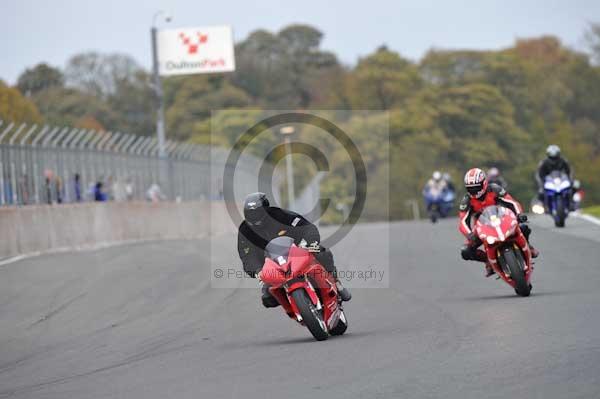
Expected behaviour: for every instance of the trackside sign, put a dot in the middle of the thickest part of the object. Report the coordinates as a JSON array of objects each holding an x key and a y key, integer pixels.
[{"x": 195, "y": 50}]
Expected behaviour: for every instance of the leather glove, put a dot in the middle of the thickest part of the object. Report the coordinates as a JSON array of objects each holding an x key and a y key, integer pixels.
[{"x": 314, "y": 247}]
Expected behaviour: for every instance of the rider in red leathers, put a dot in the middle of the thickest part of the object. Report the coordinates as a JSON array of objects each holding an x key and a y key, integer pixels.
[{"x": 480, "y": 195}]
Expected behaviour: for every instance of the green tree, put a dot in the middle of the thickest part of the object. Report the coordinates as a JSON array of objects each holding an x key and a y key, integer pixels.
[
  {"x": 383, "y": 80},
  {"x": 281, "y": 70},
  {"x": 121, "y": 84},
  {"x": 193, "y": 102},
  {"x": 100, "y": 74},
  {"x": 63, "y": 106},
  {"x": 450, "y": 68},
  {"x": 39, "y": 78},
  {"x": 134, "y": 104},
  {"x": 592, "y": 38}
]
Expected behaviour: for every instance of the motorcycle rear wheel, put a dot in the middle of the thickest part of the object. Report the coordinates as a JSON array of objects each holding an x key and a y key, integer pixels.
[{"x": 313, "y": 318}]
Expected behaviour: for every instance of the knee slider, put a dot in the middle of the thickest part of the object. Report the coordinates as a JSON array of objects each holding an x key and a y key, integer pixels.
[{"x": 466, "y": 253}]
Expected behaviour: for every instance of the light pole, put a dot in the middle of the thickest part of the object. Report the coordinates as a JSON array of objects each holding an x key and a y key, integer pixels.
[
  {"x": 160, "y": 116},
  {"x": 286, "y": 132}
]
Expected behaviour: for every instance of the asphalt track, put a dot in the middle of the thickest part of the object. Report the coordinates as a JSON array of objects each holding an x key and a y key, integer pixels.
[{"x": 142, "y": 321}]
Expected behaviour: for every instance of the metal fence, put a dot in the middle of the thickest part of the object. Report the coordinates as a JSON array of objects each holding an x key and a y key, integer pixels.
[{"x": 45, "y": 164}]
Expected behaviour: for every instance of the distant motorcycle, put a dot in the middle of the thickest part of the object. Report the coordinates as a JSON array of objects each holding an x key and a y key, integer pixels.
[
  {"x": 558, "y": 196},
  {"x": 305, "y": 290},
  {"x": 439, "y": 203},
  {"x": 448, "y": 201},
  {"x": 506, "y": 247}
]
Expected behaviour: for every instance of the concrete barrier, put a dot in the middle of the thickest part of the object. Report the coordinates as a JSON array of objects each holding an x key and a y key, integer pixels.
[{"x": 45, "y": 228}]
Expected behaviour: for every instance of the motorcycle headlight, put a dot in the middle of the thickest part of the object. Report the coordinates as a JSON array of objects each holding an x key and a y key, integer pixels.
[
  {"x": 491, "y": 240},
  {"x": 538, "y": 209}
]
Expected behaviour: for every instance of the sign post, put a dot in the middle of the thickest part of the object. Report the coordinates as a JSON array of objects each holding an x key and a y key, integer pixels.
[
  {"x": 195, "y": 50},
  {"x": 160, "y": 115},
  {"x": 186, "y": 51}
]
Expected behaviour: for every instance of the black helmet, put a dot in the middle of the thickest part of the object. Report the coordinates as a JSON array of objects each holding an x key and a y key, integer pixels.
[{"x": 255, "y": 208}]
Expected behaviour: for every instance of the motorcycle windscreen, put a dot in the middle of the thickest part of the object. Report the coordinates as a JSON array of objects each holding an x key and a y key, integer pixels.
[
  {"x": 278, "y": 249},
  {"x": 492, "y": 215},
  {"x": 557, "y": 181}
]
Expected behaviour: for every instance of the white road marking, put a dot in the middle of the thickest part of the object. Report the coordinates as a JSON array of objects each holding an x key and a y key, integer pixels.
[{"x": 589, "y": 218}]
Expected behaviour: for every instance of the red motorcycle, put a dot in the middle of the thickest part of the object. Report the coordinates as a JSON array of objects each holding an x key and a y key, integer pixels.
[
  {"x": 506, "y": 247},
  {"x": 305, "y": 290}
]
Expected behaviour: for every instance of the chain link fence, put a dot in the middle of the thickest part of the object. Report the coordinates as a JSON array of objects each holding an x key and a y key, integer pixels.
[{"x": 45, "y": 164}]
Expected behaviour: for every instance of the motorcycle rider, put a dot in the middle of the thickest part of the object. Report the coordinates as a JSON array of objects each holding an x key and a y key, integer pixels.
[
  {"x": 494, "y": 176},
  {"x": 553, "y": 162},
  {"x": 435, "y": 185},
  {"x": 262, "y": 224},
  {"x": 481, "y": 194},
  {"x": 448, "y": 179}
]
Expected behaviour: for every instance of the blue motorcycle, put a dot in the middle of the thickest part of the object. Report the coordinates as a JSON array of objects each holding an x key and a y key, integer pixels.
[
  {"x": 438, "y": 203},
  {"x": 557, "y": 196}
]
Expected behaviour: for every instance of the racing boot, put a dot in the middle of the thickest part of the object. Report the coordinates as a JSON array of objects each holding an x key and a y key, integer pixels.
[
  {"x": 534, "y": 252},
  {"x": 268, "y": 300},
  {"x": 345, "y": 295},
  {"x": 489, "y": 271},
  {"x": 527, "y": 232},
  {"x": 482, "y": 257}
]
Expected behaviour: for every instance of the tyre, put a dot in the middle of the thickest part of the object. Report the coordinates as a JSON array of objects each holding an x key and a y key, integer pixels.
[
  {"x": 341, "y": 326},
  {"x": 514, "y": 267},
  {"x": 433, "y": 217},
  {"x": 559, "y": 219},
  {"x": 313, "y": 318},
  {"x": 433, "y": 214}
]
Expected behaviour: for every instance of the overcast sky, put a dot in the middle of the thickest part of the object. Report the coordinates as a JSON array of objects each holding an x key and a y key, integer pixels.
[{"x": 52, "y": 31}]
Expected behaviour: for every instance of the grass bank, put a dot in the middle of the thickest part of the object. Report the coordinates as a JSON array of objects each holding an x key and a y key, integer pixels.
[{"x": 592, "y": 210}]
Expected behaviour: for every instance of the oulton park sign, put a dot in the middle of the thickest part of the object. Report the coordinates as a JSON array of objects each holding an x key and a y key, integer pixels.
[{"x": 195, "y": 50}]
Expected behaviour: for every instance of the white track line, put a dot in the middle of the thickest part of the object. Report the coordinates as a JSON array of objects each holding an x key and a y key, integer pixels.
[
  {"x": 589, "y": 218},
  {"x": 92, "y": 247}
]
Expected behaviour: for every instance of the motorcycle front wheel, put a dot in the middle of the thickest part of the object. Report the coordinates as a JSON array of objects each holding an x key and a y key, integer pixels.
[
  {"x": 559, "y": 219},
  {"x": 313, "y": 318},
  {"x": 433, "y": 214},
  {"x": 341, "y": 327},
  {"x": 517, "y": 274}
]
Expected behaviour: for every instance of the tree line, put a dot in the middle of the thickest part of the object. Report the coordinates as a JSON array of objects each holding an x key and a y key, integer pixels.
[{"x": 451, "y": 110}]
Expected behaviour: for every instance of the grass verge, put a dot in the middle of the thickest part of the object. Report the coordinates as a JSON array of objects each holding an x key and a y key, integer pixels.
[{"x": 592, "y": 210}]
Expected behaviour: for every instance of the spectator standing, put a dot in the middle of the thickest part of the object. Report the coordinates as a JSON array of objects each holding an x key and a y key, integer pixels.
[
  {"x": 154, "y": 193},
  {"x": 99, "y": 195},
  {"x": 77, "y": 187},
  {"x": 59, "y": 189},
  {"x": 129, "y": 190},
  {"x": 48, "y": 175}
]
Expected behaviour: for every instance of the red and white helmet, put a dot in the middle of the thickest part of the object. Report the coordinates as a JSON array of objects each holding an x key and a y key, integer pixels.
[{"x": 476, "y": 182}]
